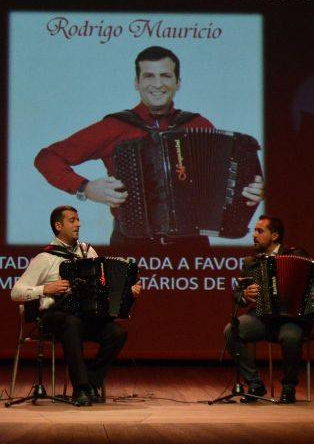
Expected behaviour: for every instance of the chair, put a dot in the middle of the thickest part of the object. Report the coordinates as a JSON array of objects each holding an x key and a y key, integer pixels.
[
  {"x": 307, "y": 344},
  {"x": 28, "y": 314}
]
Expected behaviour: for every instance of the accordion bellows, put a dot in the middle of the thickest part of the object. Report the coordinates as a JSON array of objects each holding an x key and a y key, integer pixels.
[
  {"x": 286, "y": 287},
  {"x": 186, "y": 182}
]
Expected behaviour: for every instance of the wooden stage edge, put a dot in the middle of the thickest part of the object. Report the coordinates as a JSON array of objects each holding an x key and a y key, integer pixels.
[{"x": 164, "y": 408}]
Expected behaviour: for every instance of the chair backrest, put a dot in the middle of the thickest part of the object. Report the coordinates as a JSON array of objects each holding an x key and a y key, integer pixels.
[{"x": 30, "y": 322}]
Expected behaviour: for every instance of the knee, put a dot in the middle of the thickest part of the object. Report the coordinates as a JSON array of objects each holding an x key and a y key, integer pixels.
[
  {"x": 290, "y": 339},
  {"x": 227, "y": 330},
  {"x": 119, "y": 333}
]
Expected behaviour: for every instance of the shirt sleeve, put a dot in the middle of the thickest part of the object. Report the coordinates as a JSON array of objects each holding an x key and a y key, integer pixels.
[
  {"x": 30, "y": 285},
  {"x": 55, "y": 161},
  {"x": 299, "y": 252}
]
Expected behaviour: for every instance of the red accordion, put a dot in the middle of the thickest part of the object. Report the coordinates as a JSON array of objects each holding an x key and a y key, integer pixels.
[{"x": 286, "y": 287}]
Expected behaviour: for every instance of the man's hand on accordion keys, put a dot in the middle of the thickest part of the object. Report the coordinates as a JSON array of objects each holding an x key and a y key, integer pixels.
[
  {"x": 251, "y": 292},
  {"x": 61, "y": 286},
  {"x": 136, "y": 289},
  {"x": 79, "y": 284},
  {"x": 254, "y": 192},
  {"x": 105, "y": 190}
]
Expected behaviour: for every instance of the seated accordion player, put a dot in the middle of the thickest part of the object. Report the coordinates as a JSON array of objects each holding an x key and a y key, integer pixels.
[
  {"x": 286, "y": 287},
  {"x": 100, "y": 287},
  {"x": 186, "y": 182}
]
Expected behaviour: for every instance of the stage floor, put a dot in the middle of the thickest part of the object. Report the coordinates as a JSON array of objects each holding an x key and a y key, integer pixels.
[{"x": 156, "y": 404}]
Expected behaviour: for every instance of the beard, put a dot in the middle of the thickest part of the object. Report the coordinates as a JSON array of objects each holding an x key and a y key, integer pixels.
[{"x": 259, "y": 248}]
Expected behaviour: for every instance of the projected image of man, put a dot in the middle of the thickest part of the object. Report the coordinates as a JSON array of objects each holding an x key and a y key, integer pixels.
[{"x": 157, "y": 81}]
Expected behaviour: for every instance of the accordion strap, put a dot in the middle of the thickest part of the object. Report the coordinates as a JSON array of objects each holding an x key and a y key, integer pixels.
[
  {"x": 182, "y": 117},
  {"x": 84, "y": 247},
  {"x": 58, "y": 250},
  {"x": 129, "y": 116}
]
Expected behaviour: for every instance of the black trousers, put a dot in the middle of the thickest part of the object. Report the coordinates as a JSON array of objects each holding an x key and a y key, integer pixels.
[
  {"x": 251, "y": 329},
  {"x": 72, "y": 331}
]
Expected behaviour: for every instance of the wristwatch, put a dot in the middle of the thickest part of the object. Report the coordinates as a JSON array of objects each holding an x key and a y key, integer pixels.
[{"x": 80, "y": 194}]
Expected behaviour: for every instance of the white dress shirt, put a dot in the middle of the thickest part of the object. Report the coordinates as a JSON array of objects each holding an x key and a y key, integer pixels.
[
  {"x": 275, "y": 250},
  {"x": 43, "y": 269}
]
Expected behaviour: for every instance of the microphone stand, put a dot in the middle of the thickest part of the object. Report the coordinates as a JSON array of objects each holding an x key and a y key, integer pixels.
[
  {"x": 238, "y": 389},
  {"x": 39, "y": 391}
]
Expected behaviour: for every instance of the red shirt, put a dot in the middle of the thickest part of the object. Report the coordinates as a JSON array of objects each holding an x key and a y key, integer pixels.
[{"x": 98, "y": 141}]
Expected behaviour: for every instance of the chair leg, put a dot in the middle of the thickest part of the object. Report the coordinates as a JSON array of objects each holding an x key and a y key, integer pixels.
[
  {"x": 271, "y": 376},
  {"x": 15, "y": 367},
  {"x": 53, "y": 368},
  {"x": 308, "y": 371},
  {"x": 65, "y": 383},
  {"x": 103, "y": 391}
]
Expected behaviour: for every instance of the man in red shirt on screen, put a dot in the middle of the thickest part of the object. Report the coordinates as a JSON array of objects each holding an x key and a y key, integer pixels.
[{"x": 157, "y": 81}]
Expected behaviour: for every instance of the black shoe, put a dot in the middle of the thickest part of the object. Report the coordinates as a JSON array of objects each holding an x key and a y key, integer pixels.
[
  {"x": 287, "y": 395},
  {"x": 259, "y": 390},
  {"x": 81, "y": 398},
  {"x": 94, "y": 394}
]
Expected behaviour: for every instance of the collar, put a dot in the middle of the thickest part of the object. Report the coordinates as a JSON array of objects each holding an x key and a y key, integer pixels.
[
  {"x": 164, "y": 119},
  {"x": 57, "y": 241},
  {"x": 275, "y": 250},
  {"x": 273, "y": 253}
]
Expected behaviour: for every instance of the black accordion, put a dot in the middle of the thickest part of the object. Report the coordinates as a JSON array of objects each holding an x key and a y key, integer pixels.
[
  {"x": 100, "y": 287},
  {"x": 186, "y": 182},
  {"x": 286, "y": 287}
]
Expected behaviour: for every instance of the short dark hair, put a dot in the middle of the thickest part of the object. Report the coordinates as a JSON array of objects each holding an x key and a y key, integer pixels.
[
  {"x": 154, "y": 53},
  {"x": 57, "y": 216},
  {"x": 275, "y": 225}
]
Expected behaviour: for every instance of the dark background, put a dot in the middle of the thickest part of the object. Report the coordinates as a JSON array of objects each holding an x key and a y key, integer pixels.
[{"x": 187, "y": 325}]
